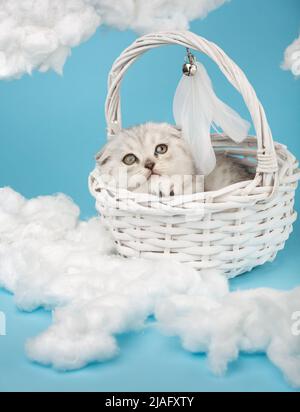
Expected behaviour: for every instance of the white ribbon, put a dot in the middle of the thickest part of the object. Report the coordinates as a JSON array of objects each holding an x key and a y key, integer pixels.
[{"x": 196, "y": 108}]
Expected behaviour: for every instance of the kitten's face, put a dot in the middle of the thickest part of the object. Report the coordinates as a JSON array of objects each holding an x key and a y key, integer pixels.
[{"x": 145, "y": 151}]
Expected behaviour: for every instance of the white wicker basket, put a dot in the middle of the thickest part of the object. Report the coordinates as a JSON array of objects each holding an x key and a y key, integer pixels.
[{"x": 233, "y": 229}]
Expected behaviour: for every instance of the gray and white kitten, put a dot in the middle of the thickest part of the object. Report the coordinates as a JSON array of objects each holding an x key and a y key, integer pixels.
[{"x": 154, "y": 158}]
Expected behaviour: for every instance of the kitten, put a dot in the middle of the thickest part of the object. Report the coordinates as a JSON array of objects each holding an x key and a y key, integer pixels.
[
  {"x": 154, "y": 158},
  {"x": 150, "y": 158},
  {"x": 226, "y": 173}
]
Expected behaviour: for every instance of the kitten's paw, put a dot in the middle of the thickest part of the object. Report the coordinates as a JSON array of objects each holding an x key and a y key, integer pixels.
[
  {"x": 165, "y": 186},
  {"x": 160, "y": 186}
]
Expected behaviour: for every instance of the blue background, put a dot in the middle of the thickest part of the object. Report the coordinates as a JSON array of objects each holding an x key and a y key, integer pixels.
[{"x": 50, "y": 129}]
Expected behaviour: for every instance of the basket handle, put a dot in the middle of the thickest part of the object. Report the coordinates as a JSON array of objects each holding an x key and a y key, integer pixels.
[{"x": 266, "y": 156}]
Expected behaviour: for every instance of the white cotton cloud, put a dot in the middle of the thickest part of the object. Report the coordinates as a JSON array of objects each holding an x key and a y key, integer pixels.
[
  {"x": 124, "y": 305},
  {"x": 147, "y": 16},
  {"x": 39, "y": 34},
  {"x": 258, "y": 320},
  {"x": 292, "y": 58},
  {"x": 49, "y": 258}
]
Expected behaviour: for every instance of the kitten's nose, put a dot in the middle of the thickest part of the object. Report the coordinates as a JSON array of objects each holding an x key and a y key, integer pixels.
[{"x": 149, "y": 164}]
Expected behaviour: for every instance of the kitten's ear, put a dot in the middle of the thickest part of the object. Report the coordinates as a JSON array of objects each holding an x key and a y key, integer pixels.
[
  {"x": 99, "y": 154},
  {"x": 102, "y": 158},
  {"x": 177, "y": 131}
]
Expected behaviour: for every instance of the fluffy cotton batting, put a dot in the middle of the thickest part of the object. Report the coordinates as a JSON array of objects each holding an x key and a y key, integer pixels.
[
  {"x": 147, "y": 16},
  {"x": 245, "y": 321},
  {"x": 39, "y": 34},
  {"x": 49, "y": 258},
  {"x": 292, "y": 58}
]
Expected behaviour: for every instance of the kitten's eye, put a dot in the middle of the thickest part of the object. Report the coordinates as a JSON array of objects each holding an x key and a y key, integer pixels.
[
  {"x": 161, "y": 149},
  {"x": 129, "y": 159}
]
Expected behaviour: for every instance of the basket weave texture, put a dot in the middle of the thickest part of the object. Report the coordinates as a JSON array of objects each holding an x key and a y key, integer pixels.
[{"x": 233, "y": 229}]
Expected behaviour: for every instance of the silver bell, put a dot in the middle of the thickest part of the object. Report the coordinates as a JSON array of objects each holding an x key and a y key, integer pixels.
[{"x": 189, "y": 69}]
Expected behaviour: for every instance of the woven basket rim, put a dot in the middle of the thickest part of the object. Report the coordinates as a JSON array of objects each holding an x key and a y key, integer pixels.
[{"x": 236, "y": 195}]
